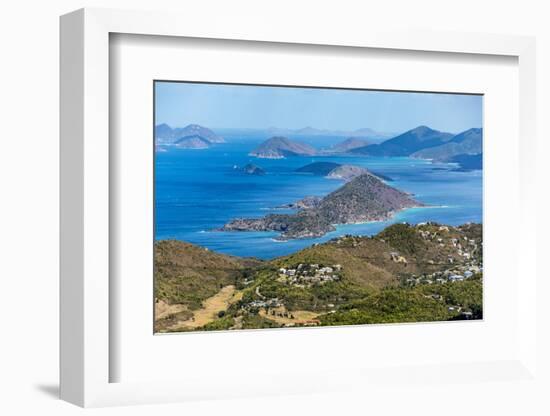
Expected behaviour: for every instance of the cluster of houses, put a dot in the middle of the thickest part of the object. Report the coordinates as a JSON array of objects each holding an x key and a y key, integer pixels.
[
  {"x": 458, "y": 274},
  {"x": 465, "y": 247},
  {"x": 310, "y": 274}
]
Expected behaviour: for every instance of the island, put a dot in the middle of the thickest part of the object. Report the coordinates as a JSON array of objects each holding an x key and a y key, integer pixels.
[
  {"x": 465, "y": 148},
  {"x": 347, "y": 172},
  {"x": 192, "y": 142},
  {"x": 319, "y": 168},
  {"x": 365, "y": 198},
  {"x": 405, "y": 144},
  {"x": 468, "y": 142},
  {"x": 405, "y": 273},
  {"x": 365, "y": 133},
  {"x": 167, "y": 135},
  {"x": 250, "y": 169},
  {"x": 332, "y": 170},
  {"x": 279, "y": 147},
  {"x": 345, "y": 146}
]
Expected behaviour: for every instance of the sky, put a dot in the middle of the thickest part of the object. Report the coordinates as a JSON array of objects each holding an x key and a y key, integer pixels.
[{"x": 241, "y": 106}]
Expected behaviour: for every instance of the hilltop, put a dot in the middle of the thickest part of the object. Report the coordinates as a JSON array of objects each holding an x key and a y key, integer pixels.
[
  {"x": 406, "y": 273},
  {"x": 365, "y": 198},
  {"x": 279, "y": 147}
]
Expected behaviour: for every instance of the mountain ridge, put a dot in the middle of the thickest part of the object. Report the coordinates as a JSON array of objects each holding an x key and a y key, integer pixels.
[
  {"x": 406, "y": 143},
  {"x": 166, "y": 134},
  {"x": 468, "y": 142}
]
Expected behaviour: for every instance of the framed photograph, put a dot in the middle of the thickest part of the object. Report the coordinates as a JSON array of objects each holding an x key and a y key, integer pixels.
[
  {"x": 321, "y": 212},
  {"x": 294, "y": 226}
]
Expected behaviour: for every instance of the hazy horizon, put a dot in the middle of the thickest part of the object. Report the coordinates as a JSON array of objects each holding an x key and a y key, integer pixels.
[{"x": 224, "y": 106}]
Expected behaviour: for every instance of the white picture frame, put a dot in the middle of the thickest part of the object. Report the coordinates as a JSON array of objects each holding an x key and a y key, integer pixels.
[{"x": 86, "y": 356}]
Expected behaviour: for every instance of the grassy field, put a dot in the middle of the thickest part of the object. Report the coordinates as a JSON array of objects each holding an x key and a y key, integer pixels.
[{"x": 209, "y": 311}]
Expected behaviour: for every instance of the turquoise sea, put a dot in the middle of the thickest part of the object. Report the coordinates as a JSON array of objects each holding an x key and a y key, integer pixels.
[{"x": 197, "y": 191}]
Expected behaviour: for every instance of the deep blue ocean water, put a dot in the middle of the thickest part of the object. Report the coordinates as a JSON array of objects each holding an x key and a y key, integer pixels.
[{"x": 197, "y": 191}]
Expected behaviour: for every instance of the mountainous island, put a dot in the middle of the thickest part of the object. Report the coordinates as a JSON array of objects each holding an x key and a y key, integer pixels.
[
  {"x": 308, "y": 202},
  {"x": 319, "y": 168},
  {"x": 364, "y": 198},
  {"x": 345, "y": 146},
  {"x": 407, "y": 143},
  {"x": 164, "y": 134},
  {"x": 423, "y": 142},
  {"x": 468, "y": 142},
  {"x": 405, "y": 273},
  {"x": 331, "y": 170},
  {"x": 279, "y": 147}
]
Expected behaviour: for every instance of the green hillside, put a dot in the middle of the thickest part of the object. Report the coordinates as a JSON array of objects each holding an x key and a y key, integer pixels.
[{"x": 406, "y": 273}]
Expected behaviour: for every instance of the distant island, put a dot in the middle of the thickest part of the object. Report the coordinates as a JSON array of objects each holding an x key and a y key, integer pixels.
[
  {"x": 319, "y": 168},
  {"x": 364, "y": 133},
  {"x": 192, "y": 142},
  {"x": 365, "y": 198},
  {"x": 164, "y": 134},
  {"x": 332, "y": 170},
  {"x": 423, "y": 142},
  {"x": 345, "y": 146},
  {"x": 468, "y": 142},
  {"x": 280, "y": 147},
  {"x": 405, "y": 273}
]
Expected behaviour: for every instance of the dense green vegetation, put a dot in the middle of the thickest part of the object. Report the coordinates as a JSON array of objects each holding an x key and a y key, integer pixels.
[
  {"x": 404, "y": 238},
  {"x": 406, "y": 304}
]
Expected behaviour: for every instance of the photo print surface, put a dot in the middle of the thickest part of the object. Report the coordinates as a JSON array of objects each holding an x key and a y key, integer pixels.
[{"x": 289, "y": 207}]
